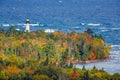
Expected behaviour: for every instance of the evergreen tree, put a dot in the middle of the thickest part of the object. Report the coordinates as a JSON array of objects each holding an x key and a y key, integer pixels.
[{"x": 83, "y": 67}]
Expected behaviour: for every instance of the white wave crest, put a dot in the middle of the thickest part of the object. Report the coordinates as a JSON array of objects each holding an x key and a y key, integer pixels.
[
  {"x": 115, "y": 45},
  {"x": 20, "y": 24},
  {"x": 115, "y": 28},
  {"x": 83, "y": 23},
  {"x": 34, "y": 24},
  {"x": 41, "y": 24},
  {"x": 92, "y": 24},
  {"x": 18, "y": 29},
  {"x": 104, "y": 30},
  {"x": 76, "y": 27},
  {"x": 5, "y": 25}
]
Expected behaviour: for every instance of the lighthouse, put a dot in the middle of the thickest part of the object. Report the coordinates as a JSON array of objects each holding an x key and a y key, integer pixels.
[{"x": 27, "y": 29}]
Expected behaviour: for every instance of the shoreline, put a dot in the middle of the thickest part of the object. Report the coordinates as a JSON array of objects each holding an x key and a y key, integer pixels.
[{"x": 88, "y": 61}]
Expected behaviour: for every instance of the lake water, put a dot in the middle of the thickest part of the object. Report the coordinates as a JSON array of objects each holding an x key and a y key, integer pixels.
[{"x": 102, "y": 16}]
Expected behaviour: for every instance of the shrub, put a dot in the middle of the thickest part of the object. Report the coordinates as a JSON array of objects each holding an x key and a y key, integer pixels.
[{"x": 40, "y": 77}]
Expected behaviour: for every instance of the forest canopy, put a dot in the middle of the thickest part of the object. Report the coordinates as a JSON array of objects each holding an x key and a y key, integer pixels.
[{"x": 22, "y": 54}]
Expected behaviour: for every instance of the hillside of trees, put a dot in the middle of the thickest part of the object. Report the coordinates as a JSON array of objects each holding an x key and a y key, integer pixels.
[{"x": 49, "y": 56}]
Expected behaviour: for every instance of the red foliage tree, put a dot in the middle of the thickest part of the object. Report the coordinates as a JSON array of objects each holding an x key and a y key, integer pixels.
[{"x": 74, "y": 74}]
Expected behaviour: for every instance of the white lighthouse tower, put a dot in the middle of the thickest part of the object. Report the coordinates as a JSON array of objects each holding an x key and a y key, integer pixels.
[{"x": 27, "y": 29}]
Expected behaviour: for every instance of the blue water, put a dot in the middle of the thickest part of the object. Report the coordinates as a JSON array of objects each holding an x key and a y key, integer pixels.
[{"x": 102, "y": 16}]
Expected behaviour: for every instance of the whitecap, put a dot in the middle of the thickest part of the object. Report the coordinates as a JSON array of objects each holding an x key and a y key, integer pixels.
[
  {"x": 83, "y": 23},
  {"x": 77, "y": 27},
  {"x": 5, "y": 25},
  {"x": 104, "y": 30},
  {"x": 34, "y": 24},
  {"x": 41, "y": 24},
  {"x": 92, "y": 24},
  {"x": 115, "y": 45},
  {"x": 18, "y": 29},
  {"x": 23, "y": 26},
  {"x": 12, "y": 24},
  {"x": 20, "y": 24},
  {"x": 115, "y": 28}
]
